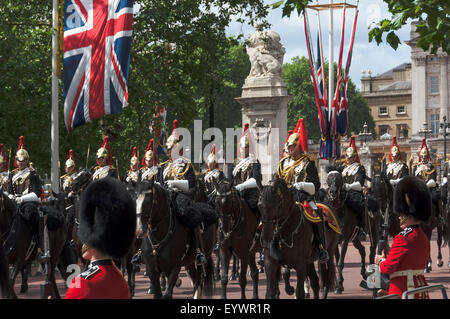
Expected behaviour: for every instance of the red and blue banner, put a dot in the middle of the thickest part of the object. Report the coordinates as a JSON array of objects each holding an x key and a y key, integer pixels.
[{"x": 97, "y": 43}]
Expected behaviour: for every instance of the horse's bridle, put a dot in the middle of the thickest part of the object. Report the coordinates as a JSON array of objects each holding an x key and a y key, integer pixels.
[{"x": 235, "y": 223}]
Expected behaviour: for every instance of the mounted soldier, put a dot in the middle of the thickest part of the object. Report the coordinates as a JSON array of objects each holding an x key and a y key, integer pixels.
[
  {"x": 3, "y": 169},
  {"x": 25, "y": 188},
  {"x": 131, "y": 177},
  {"x": 178, "y": 174},
  {"x": 354, "y": 176},
  {"x": 104, "y": 163},
  {"x": 300, "y": 174},
  {"x": 213, "y": 173},
  {"x": 150, "y": 169},
  {"x": 425, "y": 170},
  {"x": 396, "y": 169},
  {"x": 71, "y": 170},
  {"x": 246, "y": 174}
]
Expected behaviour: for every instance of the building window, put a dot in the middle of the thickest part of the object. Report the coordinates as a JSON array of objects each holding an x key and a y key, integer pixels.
[
  {"x": 383, "y": 129},
  {"x": 401, "y": 109},
  {"x": 434, "y": 121},
  {"x": 382, "y": 110},
  {"x": 434, "y": 84},
  {"x": 402, "y": 131}
]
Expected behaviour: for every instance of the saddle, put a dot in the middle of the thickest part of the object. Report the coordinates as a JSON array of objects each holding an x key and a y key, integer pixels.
[{"x": 328, "y": 214}]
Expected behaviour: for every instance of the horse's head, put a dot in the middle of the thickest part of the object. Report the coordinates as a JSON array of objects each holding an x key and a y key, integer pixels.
[
  {"x": 144, "y": 204},
  {"x": 379, "y": 190},
  {"x": 270, "y": 203},
  {"x": 225, "y": 193},
  {"x": 335, "y": 183},
  {"x": 56, "y": 200},
  {"x": 80, "y": 180}
]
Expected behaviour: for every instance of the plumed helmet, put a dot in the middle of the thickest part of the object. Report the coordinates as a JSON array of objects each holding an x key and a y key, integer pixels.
[
  {"x": 107, "y": 217},
  {"x": 299, "y": 137},
  {"x": 105, "y": 151},
  {"x": 395, "y": 149},
  {"x": 244, "y": 141},
  {"x": 134, "y": 159},
  {"x": 424, "y": 153},
  {"x": 174, "y": 137},
  {"x": 284, "y": 151},
  {"x": 70, "y": 161},
  {"x": 21, "y": 153},
  {"x": 150, "y": 154},
  {"x": 412, "y": 198},
  {"x": 212, "y": 156},
  {"x": 3, "y": 159},
  {"x": 351, "y": 150}
]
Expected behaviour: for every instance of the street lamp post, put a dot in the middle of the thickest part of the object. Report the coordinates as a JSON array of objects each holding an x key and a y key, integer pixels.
[
  {"x": 365, "y": 135},
  {"x": 444, "y": 126},
  {"x": 425, "y": 130}
]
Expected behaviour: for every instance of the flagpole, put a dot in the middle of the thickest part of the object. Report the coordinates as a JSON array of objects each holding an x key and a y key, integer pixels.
[
  {"x": 55, "y": 122},
  {"x": 330, "y": 62}
]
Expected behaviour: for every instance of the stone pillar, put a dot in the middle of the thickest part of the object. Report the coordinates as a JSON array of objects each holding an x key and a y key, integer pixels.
[
  {"x": 264, "y": 99},
  {"x": 443, "y": 90},
  {"x": 365, "y": 157},
  {"x": 419, "y": 93}
]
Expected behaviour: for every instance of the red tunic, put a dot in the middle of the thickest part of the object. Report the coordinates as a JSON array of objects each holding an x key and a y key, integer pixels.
[
  {"x": 101, "y": 281},
  {"x": 409, "y": 252}
]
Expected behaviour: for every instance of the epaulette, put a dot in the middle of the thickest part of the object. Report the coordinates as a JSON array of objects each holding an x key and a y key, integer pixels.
[
  {"x": 408, "y": 230},
  {"x": 164, "y": 163},
  {"x": 90, "y": 272}
]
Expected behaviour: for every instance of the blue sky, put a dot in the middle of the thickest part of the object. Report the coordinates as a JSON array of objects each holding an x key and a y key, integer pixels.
[{"x": 366, "y": 55}]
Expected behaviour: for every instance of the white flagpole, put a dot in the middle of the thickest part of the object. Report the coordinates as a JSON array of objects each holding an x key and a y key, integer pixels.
[
  {"x": 55, "y": 122},
  {"x": 330, "y": 62}
]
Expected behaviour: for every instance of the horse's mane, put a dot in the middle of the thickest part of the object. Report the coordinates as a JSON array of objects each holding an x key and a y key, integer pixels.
[
  {"x": 9, "y": 204},
  {"x": 224, "y": 185},
  {"x": 268, "y": 192}
]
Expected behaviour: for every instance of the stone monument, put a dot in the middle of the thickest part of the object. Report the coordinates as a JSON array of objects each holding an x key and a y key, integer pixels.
[{"x": 264, "y": 99}]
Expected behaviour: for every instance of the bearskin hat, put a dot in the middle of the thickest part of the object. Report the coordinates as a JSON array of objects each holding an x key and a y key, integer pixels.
[
  {"x": 412, "y": 198},
  {"x": 107, "y": 217}
]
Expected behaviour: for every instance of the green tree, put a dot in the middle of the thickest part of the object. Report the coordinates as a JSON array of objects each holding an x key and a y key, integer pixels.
[
  {"x": 303, "y": 104},
  {"x": 183, "y": 79},
  {"x": 433, "y": 17}
]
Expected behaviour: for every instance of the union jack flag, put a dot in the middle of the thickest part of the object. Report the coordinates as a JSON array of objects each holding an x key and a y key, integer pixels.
[{"x": 97, "y": 42}]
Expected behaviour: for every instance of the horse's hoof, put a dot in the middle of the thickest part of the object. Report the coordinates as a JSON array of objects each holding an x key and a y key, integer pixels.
[
  {"x": 290, "y": 290},
  {"x": 178, "y": 284},
  {"x": 23, "y": 289},
  {"x": 339, "y": 291},
  {"x": 233, "y": 277},
  {"x": 440, "y": 263}
]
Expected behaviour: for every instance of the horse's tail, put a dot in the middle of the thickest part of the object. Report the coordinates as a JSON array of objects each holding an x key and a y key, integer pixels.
[
  {"x": 4, "y": 275},
  {"x": 207, "y": 281},
  {"x": 328, "y": 275}
]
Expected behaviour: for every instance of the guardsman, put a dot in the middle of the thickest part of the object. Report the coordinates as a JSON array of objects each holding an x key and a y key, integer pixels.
[
  {"x": 104, "y": 162},
  {"x": 354, "y": 176},
  {"x": 214, "y": 173},
  {"x": 107, "y": 230},
  {"x": 150, "y": 169},
  {"x": 26, "y": 189},
  {"x": 410, "y": 249},
  {"x": 3, "y": 169},
  {"x": 396, "y": 168},
  {"x": 71, "y": 170},
  {"x": 246, "y": 174},
  {"x": 178, "y": 174},
  {"x": 300, "y": 174},
  {"x": 133, "y": 171},
  {"x": 425, "y": 170}
]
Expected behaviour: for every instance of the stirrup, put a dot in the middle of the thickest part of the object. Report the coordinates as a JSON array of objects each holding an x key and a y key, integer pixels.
[
  {"x": 42, "y": 258},
  {"x": 323, "y": 256},
  {"x": 200, "y": 258}
]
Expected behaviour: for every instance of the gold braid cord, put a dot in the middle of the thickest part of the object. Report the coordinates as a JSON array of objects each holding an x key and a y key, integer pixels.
[
  {"x": 288, "y": 173},
  {"x": 178, "y": 176}
]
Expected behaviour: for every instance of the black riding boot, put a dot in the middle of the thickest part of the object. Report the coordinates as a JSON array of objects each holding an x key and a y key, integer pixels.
[
  {"x": 136, "y": 260},
  {"x": 362, "y": 226},
  {"x": 42, "y": 256},
  {"x": 319, "y": 233},
  {"x": 199, "y": 247}
]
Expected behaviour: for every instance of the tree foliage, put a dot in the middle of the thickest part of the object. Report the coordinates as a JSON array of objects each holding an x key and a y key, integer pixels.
[{"x": 184, "y": 79}]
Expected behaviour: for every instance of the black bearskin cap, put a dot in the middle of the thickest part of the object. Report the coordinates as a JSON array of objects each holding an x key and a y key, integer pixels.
[
  {"x": 412, "y": 198},
  {"x": 107, "y": 217}
]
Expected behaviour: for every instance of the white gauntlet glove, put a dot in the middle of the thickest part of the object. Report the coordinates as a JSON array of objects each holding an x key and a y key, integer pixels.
[
  {"x": 250, "y": 183},
  {"x": 394, "y": 182},
  {"x": 354, "y": 186},
  {"x": 182, "y": 184},
  {"x": 431, "y": 183},
  {"x": 306, "y": 187},
  {"x": 19, "y": 200}
]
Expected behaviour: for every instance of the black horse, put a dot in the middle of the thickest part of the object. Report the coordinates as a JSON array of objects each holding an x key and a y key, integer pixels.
[
  {"x": 379, "y": 191},
  {"x": 167, "y": 245},
  {"x": 348, "y": 222},
  {"x": 4, "y": 275},
  {"x": 286, "y": 240},
  {"x": 238, "y": 224}
]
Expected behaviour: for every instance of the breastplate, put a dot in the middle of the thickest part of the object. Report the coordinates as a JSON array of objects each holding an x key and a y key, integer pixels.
[
  {"x": 101, "y": 172},
  {"x": 21, "y": 182},
  {"x": 149, "y": 172}
]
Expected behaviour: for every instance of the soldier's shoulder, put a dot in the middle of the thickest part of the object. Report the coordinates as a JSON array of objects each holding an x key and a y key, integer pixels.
[
  {"x": 408, "y": 230},
  {"x": 90, "y": 272}
]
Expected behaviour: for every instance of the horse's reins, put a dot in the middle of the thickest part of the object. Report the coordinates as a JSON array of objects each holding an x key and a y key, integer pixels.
[
  {"x": 240, "y": 218},
  {"x": 157, "y": 246}
]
